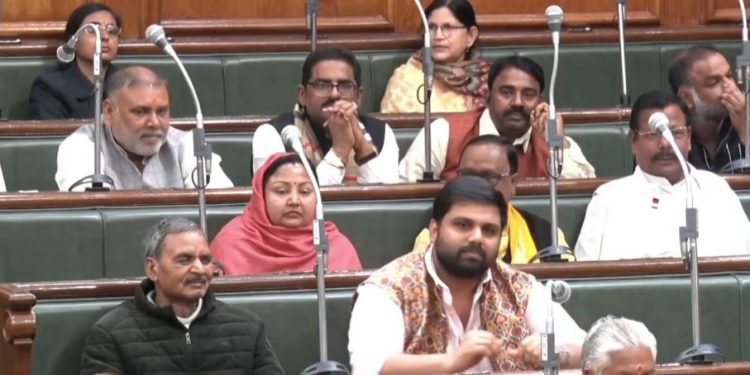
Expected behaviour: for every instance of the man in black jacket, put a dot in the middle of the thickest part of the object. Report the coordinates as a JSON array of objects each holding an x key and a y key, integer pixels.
[{"x": 175, "y": 324}]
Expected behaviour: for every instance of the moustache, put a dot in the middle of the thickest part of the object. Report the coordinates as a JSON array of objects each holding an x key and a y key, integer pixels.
[
  {"x": 518, "y": 111},
  {"x": 476, "y": 249},
  {"x": 664, "y": 155}
]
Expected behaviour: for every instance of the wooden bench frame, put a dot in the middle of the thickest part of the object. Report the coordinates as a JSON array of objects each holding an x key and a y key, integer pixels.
[{"x": 18, "y": 321}]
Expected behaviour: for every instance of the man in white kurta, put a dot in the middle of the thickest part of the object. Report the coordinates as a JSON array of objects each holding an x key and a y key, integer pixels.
[{"x": 639, "y": 216}]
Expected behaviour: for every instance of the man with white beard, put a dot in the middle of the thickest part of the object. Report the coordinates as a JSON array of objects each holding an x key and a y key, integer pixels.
[{"x": 140, "y": 150}]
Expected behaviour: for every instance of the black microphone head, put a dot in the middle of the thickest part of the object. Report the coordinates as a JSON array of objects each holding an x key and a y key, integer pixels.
[
  {"x": 290, "y": 134},
  {"x": 554, "y": 16},
  {"x": 65, "y": 54},
  {"x": 659, "y": 122},
  {"x": 155, "y": 35}
]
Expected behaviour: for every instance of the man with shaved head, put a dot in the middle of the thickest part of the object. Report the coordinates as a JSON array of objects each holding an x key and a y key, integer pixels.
[{"x": 140, "y": 150}]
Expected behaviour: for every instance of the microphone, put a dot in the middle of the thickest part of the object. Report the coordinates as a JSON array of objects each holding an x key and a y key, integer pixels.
[
  {"x": 560, "y": 291},
  {"x": 292, "y": 138},
  {"x": 659, "y": 122},
  {"x": 554, "y": 16},
  {"x": 155, "y": 35},
  {"x": 67, "y": 52}
]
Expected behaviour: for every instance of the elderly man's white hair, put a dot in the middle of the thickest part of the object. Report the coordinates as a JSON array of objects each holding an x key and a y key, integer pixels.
[{"x": 611, "y": 334}]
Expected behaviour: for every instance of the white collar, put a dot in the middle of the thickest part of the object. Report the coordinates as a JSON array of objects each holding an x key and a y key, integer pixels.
[{"x": 486, "y": 126}]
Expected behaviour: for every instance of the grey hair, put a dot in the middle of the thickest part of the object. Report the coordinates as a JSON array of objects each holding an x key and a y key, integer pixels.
[
  {"x": 611, "y": 334},
  {"x": 155, "y": 238},
  {"x": 130, "y": 77}
]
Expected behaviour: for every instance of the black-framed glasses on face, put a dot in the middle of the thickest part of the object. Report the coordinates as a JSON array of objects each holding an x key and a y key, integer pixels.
[
  {"x": 109, "y": 28},
  {"x": 446, "y": 29},
  {"x": 324, "y": 87},
  {"x": 491, "y": 177},
  {"x": 679, "y": 133}
]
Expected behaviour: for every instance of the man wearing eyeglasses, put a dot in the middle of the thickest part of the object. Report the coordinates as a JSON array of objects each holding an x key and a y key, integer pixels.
[
  {"x": 516, "y": 111},
  {"x": 344, "y": 145},
  {"x": 494, "y": 159},
  {"x": 639, "y": 216}
]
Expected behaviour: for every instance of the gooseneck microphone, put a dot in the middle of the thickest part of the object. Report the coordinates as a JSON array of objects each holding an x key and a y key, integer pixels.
[
  {"x": 554, "y": 252},
  {"x": 428, "y": 69},
  {"x": 67, "y": 52},
  {"x": 202, "y": 151},
  {"x": 292, "y": 138},
  {"x": 742, "y": 165}
]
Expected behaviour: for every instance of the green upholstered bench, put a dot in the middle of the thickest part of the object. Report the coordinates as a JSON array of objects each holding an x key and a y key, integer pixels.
[
  {"x": 53, "y": 244},
  {"x": 16, "y": 76},
  {"x": 108, "y": 240},
  {"x": 30, "y": 162},
  {"x": 606, "y": 146},
  {"x": 267, "y": 82},
  {"x": 206, "y": 72},
  {"x": 662, "y": 302}
]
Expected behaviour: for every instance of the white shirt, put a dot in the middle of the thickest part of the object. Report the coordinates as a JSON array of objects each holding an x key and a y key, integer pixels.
[
  {"x": 639, "y": 216},
  {"x": 2, "y": 180},
  {"x": 381, "y": 169},
  {"x": 75, "y": 160},
  {"x": 376, "y": 329},
  {"x": 412, "y": 165},
  {"x": 151, "y": 297}
]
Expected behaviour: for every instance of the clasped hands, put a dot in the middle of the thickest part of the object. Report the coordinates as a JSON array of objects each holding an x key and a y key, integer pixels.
[{"x": 343, "y": 128}]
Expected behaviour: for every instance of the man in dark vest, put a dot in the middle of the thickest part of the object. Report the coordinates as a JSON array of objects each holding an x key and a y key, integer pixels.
[
  {"x": 494, "y": 159},
  {"x": 516, "y": 111},
  {"x": 344, "y": 145}
]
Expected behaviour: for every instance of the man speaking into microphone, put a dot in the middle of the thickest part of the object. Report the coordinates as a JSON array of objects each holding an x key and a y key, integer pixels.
[{"x": 639, "y": 216}]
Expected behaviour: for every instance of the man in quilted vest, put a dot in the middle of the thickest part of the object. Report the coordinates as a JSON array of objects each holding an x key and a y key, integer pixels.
[
  {"x": 454, "y": 308},
  {"x": 175, "y": 325}
]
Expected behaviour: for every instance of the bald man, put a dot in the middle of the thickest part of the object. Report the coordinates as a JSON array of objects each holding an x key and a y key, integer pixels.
[{"x": 140, "y": 150}]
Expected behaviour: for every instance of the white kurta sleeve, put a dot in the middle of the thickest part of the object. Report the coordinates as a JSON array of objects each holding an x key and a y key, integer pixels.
[
  {"x": 384, "y": 167},
  {"x": 2, "y": 180},
  {"x": 567, "y": 331},
  {"x": 413, "y": 164},
  {"x": 266, "y": 142},
  {"x": 589, "y": 244},
  {"x": 75, "y": 160},
  {"x": 188, "y": 164},
  {"x": 575, "y": 164},
  {"x": 376, "y": 330}
]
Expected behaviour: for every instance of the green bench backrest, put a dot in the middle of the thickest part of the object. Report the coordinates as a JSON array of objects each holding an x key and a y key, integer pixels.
[
  {"x": 107, "y": 241},
  {"x": 261, "y": 83},
  {"x": 662, "y": 302}
]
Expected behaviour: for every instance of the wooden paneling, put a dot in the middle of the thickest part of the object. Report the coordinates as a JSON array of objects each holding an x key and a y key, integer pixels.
[{"x": 221, "y": 26}]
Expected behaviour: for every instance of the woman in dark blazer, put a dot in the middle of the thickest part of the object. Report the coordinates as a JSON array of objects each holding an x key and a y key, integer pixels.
[{"x": 68, "y": 92}]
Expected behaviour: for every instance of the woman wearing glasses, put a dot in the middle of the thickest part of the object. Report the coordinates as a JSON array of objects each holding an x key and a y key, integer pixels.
[
  {"x": 68, "y": 92},
  {"x": 460, "y": 81}
]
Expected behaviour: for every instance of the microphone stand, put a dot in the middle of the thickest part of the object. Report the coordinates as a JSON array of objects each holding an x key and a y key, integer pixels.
[
  {"x": 621, "y": 7},
  {"x": 743, "y": 76},
  {"x": 556, "y": 143},
  {"x": 698, "y": 353},
  {"x": 428, "y": 68},
  {"x": 320, "y": 242},
  {"x": 201, "y": 149},
  {"x": 550, "y": 358},
  {"x": 312, "y": 23},
  {"x": 98, "y": 178}
]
